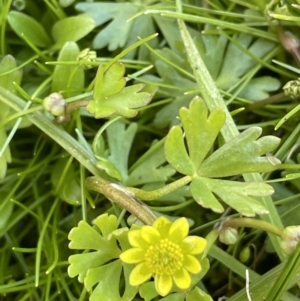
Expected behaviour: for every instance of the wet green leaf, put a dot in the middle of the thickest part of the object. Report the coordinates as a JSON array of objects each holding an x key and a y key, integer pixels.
[{"x": 23, "y": 24}]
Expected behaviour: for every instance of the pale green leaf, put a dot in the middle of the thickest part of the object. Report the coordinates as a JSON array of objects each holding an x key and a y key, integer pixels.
[
  {"x": 200, "y": 130},
  {"x": 124, "y": 103},
  {"x": 109, "y": 82},
  {"x": 85, "y": 237},
  {"x": 260, "y": 87},
  {"x": 106, "y": 289},
  {"x": 198, "y": 295},
  {"x": 116, "y": 33},
  {"x": 241, "y": 155},
  {"x": 65, "y": 3},
  {"x": 71, "y": 29},
  {"x": 110, "y": 96},
  {"x": 238, "y": 195},
  {"x": 8, "y": 64},
  {"x": 120, "y": 141},
  {"x": 81, "y": 263},
  {"x": 29, "y": 27},
  {"x": 204, "y": 196},
  {"x": 106, "y": 224},
  {"x": 68, "y": 79},
  {"x": 154, "y": 159},
  {"x": 176, "y": 153},
  {"x": 109, "y": 168}
]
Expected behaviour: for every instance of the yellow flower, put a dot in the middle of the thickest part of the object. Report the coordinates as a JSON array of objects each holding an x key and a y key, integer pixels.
[{"x": 165, "y": 252}]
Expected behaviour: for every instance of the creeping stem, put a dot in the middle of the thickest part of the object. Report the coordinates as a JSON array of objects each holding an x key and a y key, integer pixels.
[{"x": 124, "y": 198}]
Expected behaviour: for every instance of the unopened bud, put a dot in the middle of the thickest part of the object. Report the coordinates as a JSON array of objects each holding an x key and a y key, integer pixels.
[
  {"x": 245, "y": 254},
  {"x": 292, "y": 88},
  {"x": 55, "y": 104},
  {"x": 87, "y": 56},
  {"x": 228, "y": 236},
  {"x": 290, "y": 238}
]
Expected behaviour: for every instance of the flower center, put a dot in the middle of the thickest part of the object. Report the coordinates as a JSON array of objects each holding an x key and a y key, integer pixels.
[{"x": 164, "y": 257}]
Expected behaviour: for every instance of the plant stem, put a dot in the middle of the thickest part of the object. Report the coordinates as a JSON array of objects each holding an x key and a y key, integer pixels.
[
  {"x": 123, "y": 197},
  {"x": 252, "y": 223},
  {"x": 155, "y": 194}
]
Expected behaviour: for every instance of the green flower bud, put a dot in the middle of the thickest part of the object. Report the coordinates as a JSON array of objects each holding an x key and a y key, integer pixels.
[
  {"x": 228, "y": 236},
  {"x": 292, "y": 88},
  {"x": 290, "y": 238},
  {"x": 245, "y": 254},
  {"x": 86, "y": 56},
  {"x": 55, "y": 104}
]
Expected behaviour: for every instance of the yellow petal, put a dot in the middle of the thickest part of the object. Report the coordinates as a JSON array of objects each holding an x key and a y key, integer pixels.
[
  {"x": 182, "y": 279},
  {"x": 162, "y": 225},
  {"x": 150, "y": 234},
  {"x": 141, "y": 273},
  {"x": 136, "y": 240},
  {"x": 192, "y": 264},
  {"x": 163, "y": 284},
  {"x": 179, "y": 229},
  {"x": 133, "y": 255},
  {"x": 193, "y": 245}
]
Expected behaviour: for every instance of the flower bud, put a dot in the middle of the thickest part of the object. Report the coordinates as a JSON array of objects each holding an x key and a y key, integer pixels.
[
  {"x": 245, "y": 254},
  {"x": 228, "y": 236},
  {"x": 290, "y": 238},
  {"x": 86, "y": 56},
  {"x": 292, "y": 88},
  {"x": 55, "y": 104}
]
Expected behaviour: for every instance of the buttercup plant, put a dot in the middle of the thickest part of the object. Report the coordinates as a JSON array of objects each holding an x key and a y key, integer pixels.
[
  {"x": 144, "y": 170},
  {"x": 166, "y": 252}
]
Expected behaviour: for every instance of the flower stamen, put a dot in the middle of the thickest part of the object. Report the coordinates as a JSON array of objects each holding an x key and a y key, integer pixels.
[{"x": 165, "y": 257}]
